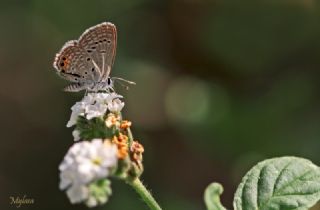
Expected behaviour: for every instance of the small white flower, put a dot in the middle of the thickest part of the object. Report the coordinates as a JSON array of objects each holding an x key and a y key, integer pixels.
[
  {"x": 87, "y": 161},
  {"x": 96, "y": 110},
  {"x": 95, "y": 105},
  {"x": 99, "y": 193},
  {"x": 76, "y": 135},
  {"x": 106, "y": 97},
  {"x": 77, "y": 110},
  {"x": 94, "y": 201},
  {"x": 84, "y": 163},
  {"x": 115, "y": 105},
  {"x": 78, "y": 193}
]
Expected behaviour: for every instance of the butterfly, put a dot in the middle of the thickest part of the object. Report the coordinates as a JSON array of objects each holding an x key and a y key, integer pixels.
[{"x": 87, "y": 62}]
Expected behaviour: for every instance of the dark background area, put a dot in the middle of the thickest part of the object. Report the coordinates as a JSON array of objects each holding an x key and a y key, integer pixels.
[{"x": 221, "y": 85}]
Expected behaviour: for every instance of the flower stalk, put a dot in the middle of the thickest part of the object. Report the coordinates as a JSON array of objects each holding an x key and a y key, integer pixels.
[{"x": 146, "y": 196}]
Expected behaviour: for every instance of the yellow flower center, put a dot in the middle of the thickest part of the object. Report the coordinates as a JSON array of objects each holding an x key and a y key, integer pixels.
[{"x": 97, "y": 161}]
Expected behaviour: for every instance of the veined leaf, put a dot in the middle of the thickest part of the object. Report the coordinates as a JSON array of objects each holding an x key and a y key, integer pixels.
[{"x": 286, "y": 183}]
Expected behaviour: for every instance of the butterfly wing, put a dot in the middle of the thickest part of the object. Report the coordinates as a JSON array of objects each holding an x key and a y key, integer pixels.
[
  {"x": 100, "y": 43},
  {"x": 73, "y": 63}
]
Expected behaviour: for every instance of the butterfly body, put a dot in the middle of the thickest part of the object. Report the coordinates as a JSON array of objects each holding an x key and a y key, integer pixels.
[
  {"x": 90, "y": 86},
  {"x": 87, "y": 62}
]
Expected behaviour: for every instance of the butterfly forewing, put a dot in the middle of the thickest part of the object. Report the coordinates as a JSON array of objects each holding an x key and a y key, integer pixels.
[
  {"x": 74, "y": 64},
  {"x": 100, "y": 43}
]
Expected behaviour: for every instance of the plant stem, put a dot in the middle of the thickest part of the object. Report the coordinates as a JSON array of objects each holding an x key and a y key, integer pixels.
[
  {"x": 145, "y": 194},
  {"x": 130, "y": 136},
  {"x": 139, "y": 187}
]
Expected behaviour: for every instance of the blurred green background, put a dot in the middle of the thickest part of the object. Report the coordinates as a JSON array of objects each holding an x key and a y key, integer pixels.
[{"x": 220, "y": 85}]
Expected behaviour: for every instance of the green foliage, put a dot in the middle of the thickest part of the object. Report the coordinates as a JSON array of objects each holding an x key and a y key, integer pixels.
[
  {"x": 212, "y": 197},
  {"x": 94, "y": 128},
  {"x": 279, "y": 183},
  {"x": 285, "y": 183}
]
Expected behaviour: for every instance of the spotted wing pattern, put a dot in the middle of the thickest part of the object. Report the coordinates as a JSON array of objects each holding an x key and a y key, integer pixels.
[
  {"x": 100, "y": 43},
  {"x": 73, "y": 63},
  {"x": 90, "y": 58}
]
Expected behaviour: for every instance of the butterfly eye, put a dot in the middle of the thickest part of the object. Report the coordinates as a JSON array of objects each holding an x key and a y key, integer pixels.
[{"x": 109, "y": 81}]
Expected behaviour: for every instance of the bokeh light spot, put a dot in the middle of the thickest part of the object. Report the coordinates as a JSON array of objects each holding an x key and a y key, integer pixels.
[
  {"x": 145, "y": 99},
  {"x": 187, "y": 100}
]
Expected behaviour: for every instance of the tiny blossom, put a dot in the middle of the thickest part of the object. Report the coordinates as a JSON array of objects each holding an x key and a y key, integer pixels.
[
  {"x": 92, "y": 194},
  {"x": 137, "y": 150},
  {"x": 136, "y": 147},
  {"x": 86, "y": 162},
  {"x": 99, "y": 193},
  {"x": 115, "y": 105},
  {"x": 95, "y": 110},
  {"x": 76, "y": 135},
  {"x": 125, "y": 124},
  {"x": 94, "y": 201},
  {"x": 77, "y": 110},
  {"x": 122, "y": 143},
  {"x": 95, "y": 105},
  {"x": 78, "y": 193},
  {"x": 112, "y": 120}
]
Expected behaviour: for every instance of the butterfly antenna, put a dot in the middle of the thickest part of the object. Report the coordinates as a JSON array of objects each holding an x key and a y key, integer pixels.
[{"x": 122, "y": 82}]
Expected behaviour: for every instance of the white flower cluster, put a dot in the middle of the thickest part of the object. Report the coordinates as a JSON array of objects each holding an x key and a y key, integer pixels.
[
  {"x": 95, "y": 105},
  {"x": 85, "y": 163}
]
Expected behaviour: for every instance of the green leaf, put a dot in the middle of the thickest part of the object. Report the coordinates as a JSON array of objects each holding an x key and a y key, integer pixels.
[
  {"x": 279, "y": 184},
  {"x": 94, "y": 128},
  {"x": 212, "y": 197}
]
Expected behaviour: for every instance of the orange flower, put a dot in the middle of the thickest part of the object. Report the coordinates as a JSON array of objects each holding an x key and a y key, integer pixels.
[
  {"x": 125, "y": 124},
  {"x": 137, "y": 147},
  {"x": 122, "y": 143},
  {"x": 112, "y": 120},
  {"x": 137, "y": 150},
  {"x": 123, "y": 138}
]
